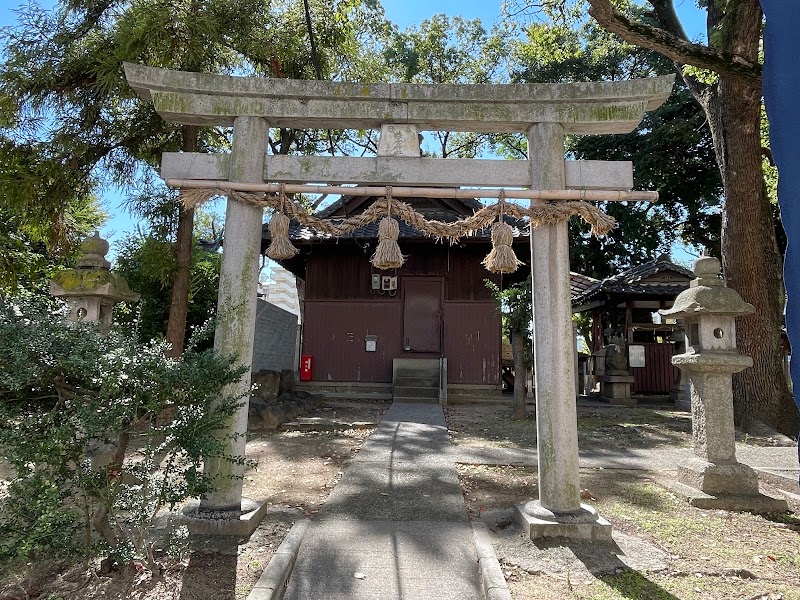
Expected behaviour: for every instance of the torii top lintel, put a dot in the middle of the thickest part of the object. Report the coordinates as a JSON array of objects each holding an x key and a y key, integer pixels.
[{"x": 582, "y": 108}]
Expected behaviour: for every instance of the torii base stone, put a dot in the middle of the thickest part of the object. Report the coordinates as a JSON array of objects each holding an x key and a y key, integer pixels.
[{"x": 539, "y": 522}]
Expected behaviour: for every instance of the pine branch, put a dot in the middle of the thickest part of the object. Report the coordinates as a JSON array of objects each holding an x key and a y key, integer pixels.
[{"x": 674, "y": 46}]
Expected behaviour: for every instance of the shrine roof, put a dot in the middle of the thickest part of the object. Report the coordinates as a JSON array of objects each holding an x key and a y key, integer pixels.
[{"x": 659, "y": 277}]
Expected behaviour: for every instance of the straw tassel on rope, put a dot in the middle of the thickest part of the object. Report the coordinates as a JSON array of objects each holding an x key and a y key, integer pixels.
[
  {"x": 280, "y": 246},
  {"x": 387, "y": 254},
  {"x": 501, "y": 259}
]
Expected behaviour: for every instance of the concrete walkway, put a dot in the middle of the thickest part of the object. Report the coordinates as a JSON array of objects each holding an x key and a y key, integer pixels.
[{"x": 395, "y": 526}]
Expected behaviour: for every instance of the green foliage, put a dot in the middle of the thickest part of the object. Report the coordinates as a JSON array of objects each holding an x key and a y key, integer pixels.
[
  {"x": 441, "y": 50},
  {"x": 147, "y": 263},
  {"x": 767, "y": 164},
  {"x": 27, "y": 261},
  {"x": 702, "y": 75},
  {"x": 101, "y": 432},
  {"x": 69, "y": 123},
  {"x": 63, "y": 92},
  {"x": 515, "y": 304},
  {"x": 673, "y": 154},
  {"x": 671, "y": 150},
  {"x": 516, "y": 307},
  {"x": 37, "y": 237},
  {"x": 583, "y": 323},
  {"x": 569, "y": 49},
  {"x": 447, "y": 50}
]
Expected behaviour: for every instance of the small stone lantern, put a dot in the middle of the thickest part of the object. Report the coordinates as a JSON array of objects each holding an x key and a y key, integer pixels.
[
  {"x": 713, "y": 478},
  {"x": 91, "y": 289}
]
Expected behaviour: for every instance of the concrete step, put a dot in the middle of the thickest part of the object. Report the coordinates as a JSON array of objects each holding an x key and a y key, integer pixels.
[
  {"x": 416, "y": 367},
  {"x": 358, "y": 389},
  {"x": 414, "y": 400},
  {"x": 407, "y": 391},
  {"x": 417, "y": 372},
  {"x": 376, "y": 397},
  {"x": 417, "y": 381},
  {"x": 416, "y": 362}
]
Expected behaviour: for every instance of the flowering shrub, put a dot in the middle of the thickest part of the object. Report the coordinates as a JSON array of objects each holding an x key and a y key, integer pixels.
[{"x": 99, "y": 432}]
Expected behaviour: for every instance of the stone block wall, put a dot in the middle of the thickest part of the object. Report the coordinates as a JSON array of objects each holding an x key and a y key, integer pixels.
[{"x": 276, "y": 339}]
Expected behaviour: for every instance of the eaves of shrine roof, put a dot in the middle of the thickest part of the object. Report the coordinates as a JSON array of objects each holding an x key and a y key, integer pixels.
[
  {"x": 579, "y": 283},
  {"x": 659, "y": 277},
  {"x": 344, "y": 204}
]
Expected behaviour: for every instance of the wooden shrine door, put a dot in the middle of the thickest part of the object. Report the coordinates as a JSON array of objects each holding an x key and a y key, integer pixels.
[{"x": 422, "y": 314}]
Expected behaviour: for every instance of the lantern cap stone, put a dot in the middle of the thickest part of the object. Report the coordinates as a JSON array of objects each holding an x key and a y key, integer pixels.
[
  {"x": 94, "y": 250},
  {"x": 102, "y": 283},
  {"x": 707, "y": 269},
  {"x": 708, "y": 294},
  {"x": 92, "y": 276}
]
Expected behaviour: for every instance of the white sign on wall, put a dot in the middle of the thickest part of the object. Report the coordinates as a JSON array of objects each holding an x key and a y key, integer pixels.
[
  {"x": 371, "y": 343},
  {"x": 636, "y": 356}
]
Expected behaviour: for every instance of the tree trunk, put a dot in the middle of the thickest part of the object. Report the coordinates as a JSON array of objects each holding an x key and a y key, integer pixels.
[
  {"x": 750, "y": 258},
  {"x": 179, "y": 294},
  {"x": 751, "y": 262},
  {"x": 519, "y": 408}
]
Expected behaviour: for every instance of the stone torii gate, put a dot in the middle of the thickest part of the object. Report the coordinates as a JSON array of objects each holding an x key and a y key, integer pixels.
[{"x": 545, "y": 112}]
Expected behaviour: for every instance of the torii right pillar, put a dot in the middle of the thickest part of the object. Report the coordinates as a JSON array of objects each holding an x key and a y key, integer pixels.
[{"x": 558, "y": 512}]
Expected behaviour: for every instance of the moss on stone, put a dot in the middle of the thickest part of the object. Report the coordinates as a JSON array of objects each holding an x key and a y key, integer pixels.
[
  {"x": 171, "y": 103},
  {"x": 77, "y": 281},
  {"x": 94, "y": 245}
]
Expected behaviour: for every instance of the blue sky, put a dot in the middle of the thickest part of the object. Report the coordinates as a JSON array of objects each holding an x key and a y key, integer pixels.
[
  {"x": 411, "y": 12},
  {"x": 403, "y": 13}
]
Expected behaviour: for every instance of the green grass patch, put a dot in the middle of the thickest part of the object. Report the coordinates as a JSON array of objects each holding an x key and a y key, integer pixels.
[{"x": 632, "y": 584}]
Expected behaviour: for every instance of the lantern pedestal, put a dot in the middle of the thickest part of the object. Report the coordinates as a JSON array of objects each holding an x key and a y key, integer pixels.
[
  {"x": 755, "y": 503},
  {"x": 720, "y": 478}
]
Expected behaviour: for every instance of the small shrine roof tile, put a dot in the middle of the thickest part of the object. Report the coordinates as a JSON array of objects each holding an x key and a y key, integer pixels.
[{"x": 633, "y": 281}]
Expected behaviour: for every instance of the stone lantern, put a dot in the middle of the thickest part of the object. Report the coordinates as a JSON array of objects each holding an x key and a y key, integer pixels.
[
  {"x": 713, "y": 478},
  {"x": 91, "y": 289}
]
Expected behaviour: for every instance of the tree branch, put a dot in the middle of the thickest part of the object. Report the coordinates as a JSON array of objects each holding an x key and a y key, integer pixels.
[
  {"x": 767, "y": 153},
  {"x": 668, "y": 20},
  {"x": 674, "y": 46}
]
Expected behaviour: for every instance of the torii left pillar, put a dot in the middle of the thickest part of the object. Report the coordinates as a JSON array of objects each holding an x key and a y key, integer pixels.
[
  {"x": 558, "y": 512},
  {"x": 236, "y": 312}
]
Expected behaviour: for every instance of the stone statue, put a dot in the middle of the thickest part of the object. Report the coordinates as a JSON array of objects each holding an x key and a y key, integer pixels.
[{"x": 616, "y": 362}]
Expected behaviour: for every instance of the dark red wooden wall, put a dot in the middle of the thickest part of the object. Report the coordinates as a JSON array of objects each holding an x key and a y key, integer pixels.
[
  {"x": 472, "y": 342},
  {"x": 658, "y": 376},
  {"x": 341, "y": 310}
]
